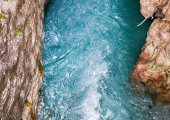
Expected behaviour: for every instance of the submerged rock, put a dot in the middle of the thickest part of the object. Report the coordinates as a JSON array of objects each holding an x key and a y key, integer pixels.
[
  {"x": 21, "y": 70},
  {"x": 153, "y": 66}
]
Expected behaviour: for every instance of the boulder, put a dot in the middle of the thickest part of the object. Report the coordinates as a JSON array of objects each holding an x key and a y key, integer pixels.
[{"x": 152, "y": 70}]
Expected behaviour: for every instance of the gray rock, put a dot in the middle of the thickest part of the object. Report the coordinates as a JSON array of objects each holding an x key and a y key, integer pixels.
[{"x": 21, "y": 69}]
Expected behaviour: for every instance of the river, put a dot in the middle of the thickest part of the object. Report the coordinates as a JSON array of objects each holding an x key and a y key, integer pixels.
[{"x": 90, "y": 48}]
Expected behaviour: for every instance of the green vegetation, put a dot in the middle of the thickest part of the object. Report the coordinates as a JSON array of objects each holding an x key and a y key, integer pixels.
[
  {"x": 0, "y": 27},
  {"x": 17, "y": 32},
  {"x": 1, "y": 16}
]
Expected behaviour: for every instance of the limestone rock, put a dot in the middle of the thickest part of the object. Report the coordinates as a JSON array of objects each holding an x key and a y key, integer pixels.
[
  {"x": 21, "y": 69},
  {"x": 153, "y": 66},
  {"x": 149, "y": 7}
]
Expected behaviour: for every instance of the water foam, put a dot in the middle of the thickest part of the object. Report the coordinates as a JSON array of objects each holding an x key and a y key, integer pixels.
[{"x": 97, "y": 69}]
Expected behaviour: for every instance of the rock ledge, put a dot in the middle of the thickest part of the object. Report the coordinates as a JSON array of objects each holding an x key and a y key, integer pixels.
[{"x": 152, "y": 70}]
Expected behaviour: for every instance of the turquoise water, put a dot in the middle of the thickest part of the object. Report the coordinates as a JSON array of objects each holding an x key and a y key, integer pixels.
[{"x": 90, "y": 48}]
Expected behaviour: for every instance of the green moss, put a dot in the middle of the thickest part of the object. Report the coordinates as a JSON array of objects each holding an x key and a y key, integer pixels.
[
  {"x": 1, "y": 16},
  {"x": 0, "y": 27},
  {"x": 17, "y": 32}
]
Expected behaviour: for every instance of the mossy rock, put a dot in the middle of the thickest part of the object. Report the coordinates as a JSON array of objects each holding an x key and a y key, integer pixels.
[
  {"x": 1, "y": 16},
  {"x": 17, "y": 32},
  {"x": 0, "y": 27},
  {"x": 40, "y": 67}
]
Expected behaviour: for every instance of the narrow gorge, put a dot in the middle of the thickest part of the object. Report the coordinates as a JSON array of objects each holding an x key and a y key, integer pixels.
[{"x": 75, "y": 60}]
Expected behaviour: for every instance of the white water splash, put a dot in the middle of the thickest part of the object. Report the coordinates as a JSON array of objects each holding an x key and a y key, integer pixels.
[{"x": 97, "y": 69}]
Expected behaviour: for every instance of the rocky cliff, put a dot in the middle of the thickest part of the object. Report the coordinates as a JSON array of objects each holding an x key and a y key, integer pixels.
[
  {"x": 152, "y": 70},
  {"x": 21, "y": 69}
]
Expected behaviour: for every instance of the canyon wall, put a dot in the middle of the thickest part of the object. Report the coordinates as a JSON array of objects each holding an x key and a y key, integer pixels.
[
  {"x": 21, "y": 69},
  {"x": 152, "y": 71}
]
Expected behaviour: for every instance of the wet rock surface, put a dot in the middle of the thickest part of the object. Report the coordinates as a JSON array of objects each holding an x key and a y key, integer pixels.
[
  {"x": 21, "y": 69},
  {"x": 153, "y": 66}
]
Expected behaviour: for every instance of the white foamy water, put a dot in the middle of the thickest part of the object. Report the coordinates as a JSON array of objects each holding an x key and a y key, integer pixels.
[
  {"x": 97, "y": 69},
  {"x": 89, "y": 50}
]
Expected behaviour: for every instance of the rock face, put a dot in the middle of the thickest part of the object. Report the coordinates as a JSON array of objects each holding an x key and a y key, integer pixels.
[
  {"x": 153, "y": 66},
  {"x": 21, "y": 70}
]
